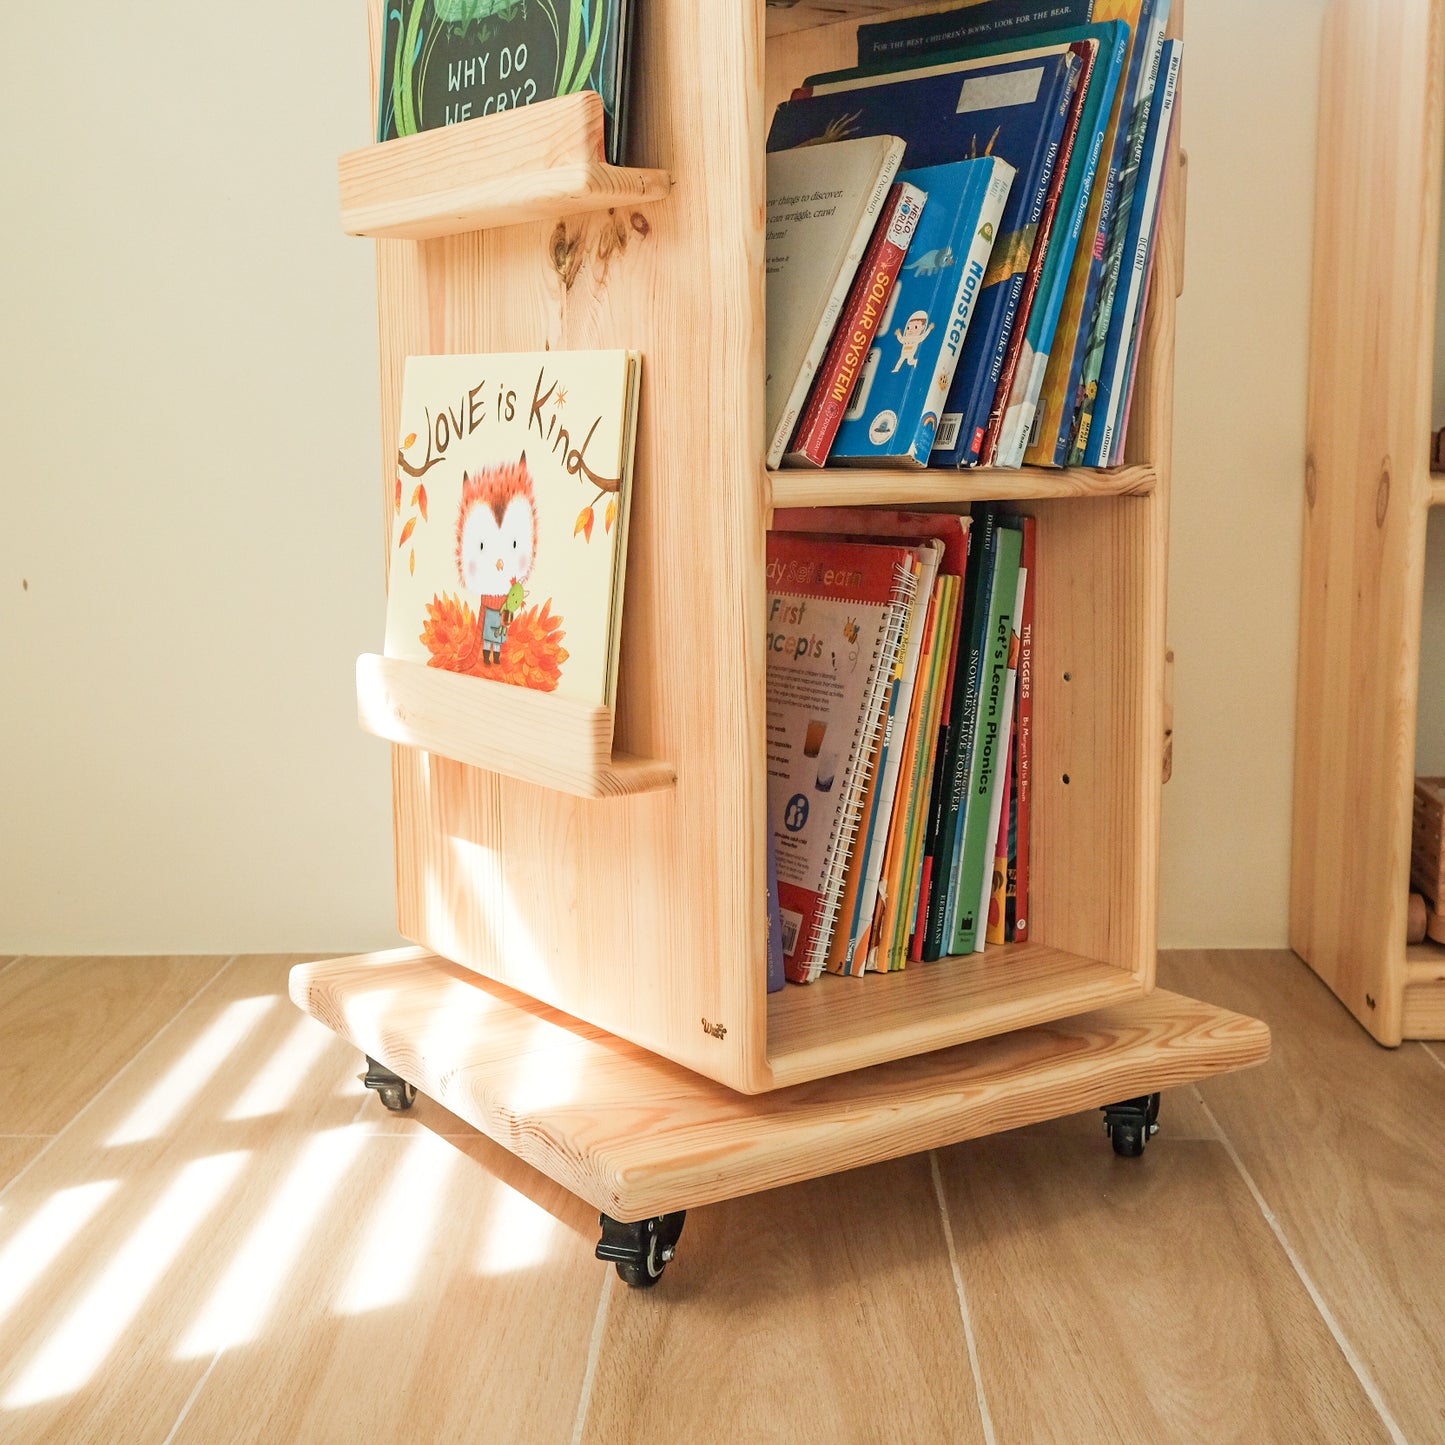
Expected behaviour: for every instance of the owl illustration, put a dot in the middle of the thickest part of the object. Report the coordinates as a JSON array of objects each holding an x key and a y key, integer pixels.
[{"x": 497, "y": 545}]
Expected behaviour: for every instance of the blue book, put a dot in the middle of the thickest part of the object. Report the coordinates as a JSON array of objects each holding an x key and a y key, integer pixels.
[
  {"x": 1083, "y": 172},
  {"x": 1138, "y": 244},
  {"x": 1149, "y": 45},
  {"x": 1013, "y": 109},
  {"x": 992, "y": 20},
  {"x": 893, "y": 417}
]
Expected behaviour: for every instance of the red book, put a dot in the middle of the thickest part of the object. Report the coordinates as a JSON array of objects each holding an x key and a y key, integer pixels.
[
  {"x": 988, "y": 452},
  {"x": 842, "y": 363},
  {"x": 1017, "y": 913}
]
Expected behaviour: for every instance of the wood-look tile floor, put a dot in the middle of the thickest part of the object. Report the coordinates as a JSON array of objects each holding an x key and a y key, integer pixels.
[{"x": 209, "y": 1232}]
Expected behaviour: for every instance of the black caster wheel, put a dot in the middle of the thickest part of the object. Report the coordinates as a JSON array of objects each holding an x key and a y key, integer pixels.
[
  {"x": 391, "y": 1089},
  {"x": 1132, "y": 1124},
  {"x": 640, "y": 1251}
]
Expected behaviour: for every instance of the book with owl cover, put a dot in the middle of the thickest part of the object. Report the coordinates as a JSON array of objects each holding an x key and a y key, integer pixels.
[
  {"x": 837, "y": 613},
  {"x": 509, "y": 527},
  {"x": 909, "y": 368},
  {"x": 1012, "y": 108},
  {"x": 446, "y": 61}
]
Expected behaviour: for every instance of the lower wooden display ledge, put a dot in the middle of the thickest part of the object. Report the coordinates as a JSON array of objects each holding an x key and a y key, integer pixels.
[
  {"x": 1424, "y": 1011},
  {"x": 637, "y": 1136}
]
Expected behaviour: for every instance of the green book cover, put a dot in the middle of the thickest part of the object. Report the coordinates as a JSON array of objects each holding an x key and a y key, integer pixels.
[{"x": 990, "y": 735}]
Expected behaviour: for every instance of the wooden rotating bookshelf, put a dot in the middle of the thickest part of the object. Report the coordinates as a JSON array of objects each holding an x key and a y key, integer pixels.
[
  {"x": 624, "y": 923},
  {"x": 1368, "y": 495}
]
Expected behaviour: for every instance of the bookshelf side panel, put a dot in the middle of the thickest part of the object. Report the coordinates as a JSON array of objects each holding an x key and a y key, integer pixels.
[
  {"x": 646, "y": 915},
  {"x": 1367, "y": 491}
]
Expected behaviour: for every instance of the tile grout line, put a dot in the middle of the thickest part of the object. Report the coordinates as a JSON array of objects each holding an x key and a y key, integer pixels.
[
  {"x": 1431, "y": 1052},
  {"x": 115, "y": 1077},
  {"x": 594, "y": 1352},
  {"x": 985, "y": 1418},
  {"x": 1362, "y": 1373},
  {"x": 194, "y": 1396}
]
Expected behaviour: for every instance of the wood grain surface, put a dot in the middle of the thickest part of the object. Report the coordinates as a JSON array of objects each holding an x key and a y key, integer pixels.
[
  {"x": 635, "y": 1135},
  {"x": 1343, "y": 1139},
  {"x": 104, "y": 1008},
  {"x": 555, "y": 742},
  {"x": 844, "y": 487},
  {"x": 521, "y": 165},
  {"x": 1367, "y": 491}
]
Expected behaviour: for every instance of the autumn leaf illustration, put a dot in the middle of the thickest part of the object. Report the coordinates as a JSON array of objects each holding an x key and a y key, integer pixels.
[
  {"x": 585, "y": 520},
  {"x": 421, "y": 500},
  {"x": 611, "y": 516},
  {"x": 398, "y": 496},
  {"x": 409, "y": 442},
  {"x": 413, "y": 562},
  {"x": 406, "y": 531},
  {"x": 532, "y": 656},
  {"x": 415, "y": 493}
]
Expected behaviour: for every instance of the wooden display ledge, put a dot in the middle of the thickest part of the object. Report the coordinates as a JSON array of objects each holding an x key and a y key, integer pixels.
[
  {"x": 553, "y": 741},
  {"x": 637, "y": 1136},
  {"x": 858, "y": 487},
  {"x": 1424, "y": 1008},
  {"x": 530, "y": 164}
]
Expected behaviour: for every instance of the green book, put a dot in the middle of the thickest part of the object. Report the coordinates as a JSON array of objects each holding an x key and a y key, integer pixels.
[{"x": 990, "y": 742}]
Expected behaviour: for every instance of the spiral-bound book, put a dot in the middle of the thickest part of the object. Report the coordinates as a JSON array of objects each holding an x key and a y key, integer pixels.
[{"x": 837, "y": 614}]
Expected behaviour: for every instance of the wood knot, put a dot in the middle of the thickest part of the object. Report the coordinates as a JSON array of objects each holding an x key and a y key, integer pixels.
[
  {"x": 1382, "y": 494},
  {"x": 565, "y": 251},
  {"x": 1312, "y": 485}
]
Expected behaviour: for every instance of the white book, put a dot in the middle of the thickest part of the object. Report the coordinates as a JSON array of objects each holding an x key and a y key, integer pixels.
[{"x": 823, "y": 202}]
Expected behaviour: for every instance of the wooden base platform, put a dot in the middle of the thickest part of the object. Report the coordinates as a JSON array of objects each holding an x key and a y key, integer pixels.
[{"x": 637, "y": 1136}]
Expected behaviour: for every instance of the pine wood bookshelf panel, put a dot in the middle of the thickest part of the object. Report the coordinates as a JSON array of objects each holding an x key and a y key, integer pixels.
[
  {"x": 851, "y": 1023},
  {"x": 636, "y": 1136},
  {"x": 645, "y": 915},
  {"x": 1368, "y": 492},
  {"x": 555, "y": 742},
  {"x": 540, "y": 161},
  {"x": 868, "y": 487}
]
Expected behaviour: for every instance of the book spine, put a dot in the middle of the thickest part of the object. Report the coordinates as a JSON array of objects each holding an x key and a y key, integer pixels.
[
  {"x": 867, "y": 301},
  {"x": 1001, "y": 20},
  {"x": 865, "y": 744},
  {"x": 775, "y": 919},
  {"x": 1021, "y": 421},
  {"x": 997, "y": 902},
  {"x": 1070, "y": 107},
  {"x": 959, "y": 744},
  {"x": 792, "y": 409},
  {"x": 1024, "y": 740},
  {"x": 1098, "y": 335},
  {"x": 1138, "y": 248},
  {"x": 1121, "y": 433},
  {"x": 965, "y": 300},
  {"x": 993, "y": 875},
  {"x": 967, "y": 880}
]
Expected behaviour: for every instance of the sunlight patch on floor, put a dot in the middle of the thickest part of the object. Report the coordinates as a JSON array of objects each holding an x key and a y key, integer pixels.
[
  {"x": 403, "y": 1223},
  {"x": 519, "y": 1234},
  {"x": 70, "y": 1356},
  {"x": 239, "y": 1305},
  {"x": 163, "y": 1105},
  {"x": 35, "y": 1245},
  {"x": 274, "y": 1084}
]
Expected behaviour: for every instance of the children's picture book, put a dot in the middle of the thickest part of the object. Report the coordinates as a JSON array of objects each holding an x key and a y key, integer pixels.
[
  {"x": 1089, "y": 354},
  {"x": 1054, "y": 414},
  {"x": 842, "y": 364},
  {"x": 823, "y": 203},
  {"x": 1012, "y": 108},
  {"x": 837, "y": 614},
  {"x": 1109, "y": 400},
  {"x": 509, "y": 524},
  {"x": 445, "y": 61},
  {"x": 973, "y": 24},
  {"x": 893, "y": 418}
]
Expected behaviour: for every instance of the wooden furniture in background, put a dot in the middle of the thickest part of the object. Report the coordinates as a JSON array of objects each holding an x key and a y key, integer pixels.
[
  {"x": 642, "y": 916},
  {"x": 1368, "y": 493}
]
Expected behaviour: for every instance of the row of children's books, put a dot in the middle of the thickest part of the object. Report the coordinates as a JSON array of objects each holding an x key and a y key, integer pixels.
[
  {"x": 899, "y": 736},
  {"x": 960, "y": 238}
]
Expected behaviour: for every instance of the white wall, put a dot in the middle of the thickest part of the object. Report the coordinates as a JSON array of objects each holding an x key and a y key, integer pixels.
[
  {"x": 191, "y": 542},
  {"x": 190, "y": 547}
]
